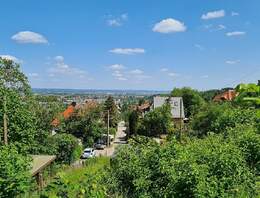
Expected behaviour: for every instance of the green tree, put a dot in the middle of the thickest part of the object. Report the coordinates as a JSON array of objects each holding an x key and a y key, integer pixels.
[
  {"x": 192, "y": 100},
  {"x": 14, "y": 172},
  {"x": 11, "y": 80},
  {"x": 133, "y": 120},
  {"x": 45, "y": 112},
  {"x": 110, "y": 106},
  {"x": 218, "y": 118},
  {"x": 210, "y": 167},
  {"x": 86, "y": 124},
  {"x": 249, "y": 94},
  {"x": 65, "y": 147},
  {"x": 157, "y": 122}
]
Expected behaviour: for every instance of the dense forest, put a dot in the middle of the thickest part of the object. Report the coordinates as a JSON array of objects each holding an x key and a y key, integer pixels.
[{"x": 215, "y": 154}]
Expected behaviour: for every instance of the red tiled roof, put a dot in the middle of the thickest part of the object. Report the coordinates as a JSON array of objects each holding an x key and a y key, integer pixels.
[
  {"x": 66, "y": 114},
  {"x": 225, "y": 96}
]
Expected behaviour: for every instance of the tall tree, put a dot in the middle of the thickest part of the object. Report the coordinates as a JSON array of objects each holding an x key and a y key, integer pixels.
[
  {"x": 192, "y": 100},
  {"x": 15, "y": 109},
  {"x": 111, "y": 107}
]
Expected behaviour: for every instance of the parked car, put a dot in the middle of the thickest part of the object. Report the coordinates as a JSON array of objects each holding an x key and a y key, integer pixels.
[
  {"x": 99, "y": 146},
  {"x": 88, "y": 153}
]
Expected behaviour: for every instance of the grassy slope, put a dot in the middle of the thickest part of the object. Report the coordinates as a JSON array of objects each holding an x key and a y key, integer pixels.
[{"x": 73, "y": 179}]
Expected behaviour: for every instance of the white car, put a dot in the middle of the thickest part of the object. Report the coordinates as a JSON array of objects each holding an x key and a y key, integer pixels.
[{"x": 88, "y": 153}]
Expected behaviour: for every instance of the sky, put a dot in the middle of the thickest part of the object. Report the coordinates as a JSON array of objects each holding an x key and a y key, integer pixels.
[{"x": 133, "y": 44}]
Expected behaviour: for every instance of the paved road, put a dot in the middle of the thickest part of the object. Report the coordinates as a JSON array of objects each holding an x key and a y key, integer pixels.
[{"x": 119, "y": 140}]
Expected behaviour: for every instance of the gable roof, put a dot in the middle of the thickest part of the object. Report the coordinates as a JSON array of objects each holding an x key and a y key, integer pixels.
[
  {"x": 177, "y": 108},
  {"x": 225, "y": 96}
]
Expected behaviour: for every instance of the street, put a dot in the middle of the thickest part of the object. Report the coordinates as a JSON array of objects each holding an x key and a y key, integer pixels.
[{"x": 119, "y": 140}]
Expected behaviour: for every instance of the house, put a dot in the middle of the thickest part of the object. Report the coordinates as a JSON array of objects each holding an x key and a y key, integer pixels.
[
  {"x": 65, "y": 115},
  {"x": 228, "y": 95},
  {"x": 144, "y": 108},
  {"x": 176, "y": 103}
]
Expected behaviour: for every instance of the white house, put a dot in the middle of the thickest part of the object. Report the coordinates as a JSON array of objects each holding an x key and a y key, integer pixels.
[{"x": 177, "y": 107}]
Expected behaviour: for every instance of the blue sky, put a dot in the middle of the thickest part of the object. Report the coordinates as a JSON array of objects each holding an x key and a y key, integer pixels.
[{"x": 133, "y": 44}]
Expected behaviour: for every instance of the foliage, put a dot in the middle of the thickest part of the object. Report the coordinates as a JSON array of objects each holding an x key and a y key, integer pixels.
[
  {"x": 201, "y": 168},
  {"x": 110, "y": 106},
  {"x": 86, "y": 124},
  {"x": 15, "y": 94},
  {"x": 65, "y": 147},
  {"x": 133, "y": 120},
  {"x": 209, "y": 94},
  {"x": 249, "y": 94},
  {"x": 11, "y": 78},
  {"x": 21, "y": 121},
  {"x": 44, "y": 112},
  {"x": 218, "y": 118},
  {"x": 192, "y": 100},
  {"x": 14, "y": 172},
  {"x": 248, "y": 140},
  {"x": 82, "y": 182},
  {"x": 157, "y": 122}
]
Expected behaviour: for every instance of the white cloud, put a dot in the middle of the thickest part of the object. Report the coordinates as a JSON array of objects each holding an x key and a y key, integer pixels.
[
  {"x": 29, "y": 37},
  {"x": 221, "y": 27},
  {"x": 136, "y": 72},
  {"x": 117, "y": 67},
  {"x": 200, "y": 47},
  {"x": 236, "y": 33},
  {"x": 234, "y": 14},
  {"x": 169, "y": 25},
  {"x": 124, "y": 16},
  {"x": 172, "y": 74},
  {"x": 214, "y": 28},
  {"x": 213, "y": 15},
  {"x": 164, "y": 69},
  {"x": 205, "y": 76},
  {"x": 127, "y": 51},
  {"x": 122, "y": 78},
  {"x": 117, "y": 74},
  {"x": 10, "y": 57},
  {"x": 59, "y": 58},
  {"x": 62, "y": 69},
  {"x": 115, "y": 22},
  {"x": 232, "y": 62}
]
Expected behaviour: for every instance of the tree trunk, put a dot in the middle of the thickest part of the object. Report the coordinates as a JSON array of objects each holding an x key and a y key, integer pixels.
[{"x": 5, "y": 123}]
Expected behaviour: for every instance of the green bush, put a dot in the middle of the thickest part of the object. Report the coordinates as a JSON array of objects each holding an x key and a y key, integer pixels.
[
  {"x": 14, "y": 172},
  {"x": 248, "y": 140},
  {"x": 208, "y": 167},
  {"x": 65, "y": 147},
  {"x": 81, "y": 182},
  {"x": 218, "y": 118}
]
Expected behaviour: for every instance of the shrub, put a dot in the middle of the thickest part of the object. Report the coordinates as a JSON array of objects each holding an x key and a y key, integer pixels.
[
  {"x": 219, "y": 118},
  {"x": 14, "y": 172},
  {"x": 207, "y": 167},
  {"x": 65, "y": 147},
  {"x": 86, "y": 181}
]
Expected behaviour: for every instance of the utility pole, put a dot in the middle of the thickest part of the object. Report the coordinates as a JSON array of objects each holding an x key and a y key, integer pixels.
[
  {"x": 180, "y": 117},
  {"x": 5, "y": 121},
  {"x": 108, "y": 128}
]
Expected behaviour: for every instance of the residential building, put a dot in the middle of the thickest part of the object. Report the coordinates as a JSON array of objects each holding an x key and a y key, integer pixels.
[
  {"x": 176, "y": 103},
  {"x": 228, "y": 95}
]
